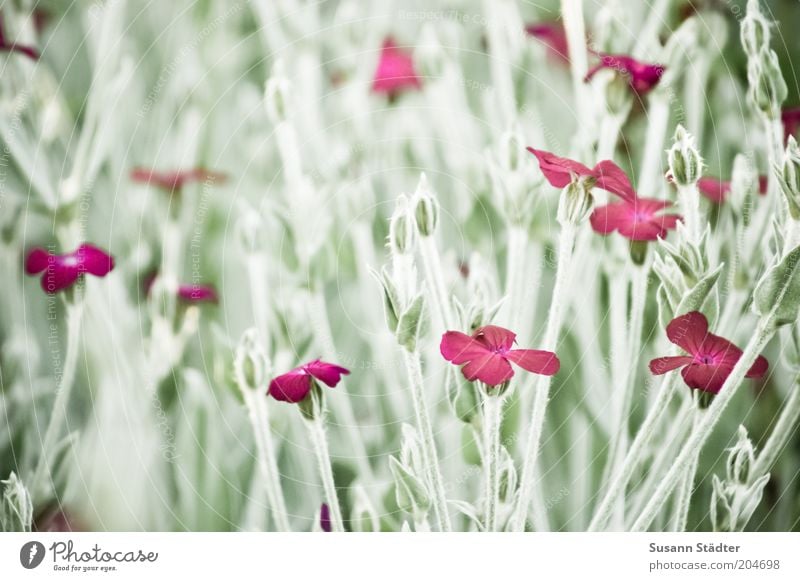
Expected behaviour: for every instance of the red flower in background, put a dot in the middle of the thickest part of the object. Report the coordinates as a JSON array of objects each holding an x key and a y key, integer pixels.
[
  {"x": 173, "y": 181},
  {"x": 791, "y": 121},
  {"x": 553, "y": 35},
  {"x": 642, "y": 77},
  {"x": 325, "y": 518},
  {"x": 61, "y": 271},
  {"x": 190, "y": 293},
  {"x": 710, "y": 358},
  {"x": 6, "y": 46},
  {"x": 486, "y": 355},
  {"x": 395, "y": 72},
  {"x": 293, "y": 387},
  {"x": 717, "y": 190}
]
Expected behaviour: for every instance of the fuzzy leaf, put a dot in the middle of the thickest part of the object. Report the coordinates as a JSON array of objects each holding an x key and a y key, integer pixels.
[
  {"x": 409, "y": 324},
  {"x": 778, "y": 292}
]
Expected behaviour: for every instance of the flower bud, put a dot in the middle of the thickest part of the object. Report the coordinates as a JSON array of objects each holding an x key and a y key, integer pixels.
[
  {"x": 277, "y": 95},
  {"x": 740, "y": 459},
  {"x": 411, "y": 493},
  {"x": 16, "y": 510},
  {"x": 426, "y": 208},
  {"x": 767, "y": 89},
  {"x": 463, "y": 398},
  {"x": 744, "y": 187},
  {"x": 401, "y": 228},
  {"x": 685, "y": 163},
  {"x": 789, "y": 179},
  {"x": 576, "y": 201},
  {"x": 250, "y": 365},
  {"x": 720, "y": 508},
  {"x": 755, "y": 29}
]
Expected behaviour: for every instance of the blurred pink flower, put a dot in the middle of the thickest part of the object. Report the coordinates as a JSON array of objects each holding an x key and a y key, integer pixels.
[
  {"x": 606, "y": 174},
  {"x": 395, "y": 72},
  {"x": 711, "y": 358},
  {"x": 553, "y": 35},
  {"x": 325, "y": 518},
  {"x": 642, "y": 77},
  {"x": 61, "y": 271},
  {"x": 717, "y": 190},
  {"x": 173, "y": 181},
  {"x": 293, "y": 387},
  {"x": 190, "y": 293},
  {"x": 6, "y": 46},
  {"x": 487, "y": 353},
  {"x": 791, "y": 121}
]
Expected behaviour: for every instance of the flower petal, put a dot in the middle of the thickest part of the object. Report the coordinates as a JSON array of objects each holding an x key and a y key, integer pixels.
[
  {"x": 662, "y": 365},
  {"x": 197, "y": 293},
  {"x": 491, "y": 368},
  {"x": 759, "y": 368},
  {"x": 611, "y": 178},
  {"x": 37, "y": 261},
  {"x": 688, "y": 331},
  {"x": 495, "y": 338},
  {"x": 714, "y": 189},
  {"x": 557, "y": 170},
  {"x": 328, "y": 373},
  {"x": 291, "y": 387},
  {"x": 606, "y": 219},
  {"x": 59, "y": 276},
  {"x": 93, "y": 260},
  {"x": 459, "y": 348},
  {"x": 708, "y": 378},
  {"x": 535, "y": 361}
]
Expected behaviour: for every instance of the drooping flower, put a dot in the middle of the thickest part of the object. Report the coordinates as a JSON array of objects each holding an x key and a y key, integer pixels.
[
  {"x": 710, "y": 358},
  {"x": 61, "y": 271},
  {"x": 642, "y": 77},
  {"x": 325, "y": 518},
  {"x": 553, "y": 35},
  {"x": 606, "y": 175},
  {"x": 637, "y": 219},
  {"x": 487, "y": 355},
  {"x": 173, "y": 181},
  {"x": 189, "y": 293},
  {"x": 717, "y": 190},
  {"x": 294, "y": 386},
  {"x": 6, "y": 46},
  {"x": 395, "y": 71}
]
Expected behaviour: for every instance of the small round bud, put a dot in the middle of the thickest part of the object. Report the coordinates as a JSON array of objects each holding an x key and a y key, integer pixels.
[
  {"x": 426, "y": 208},
  {"x": 740, "y": 459},
  {"x": 685, "y": 163},
  {"x": 401, "y": 228},
  {"x": 576, "y": 201},
  {"x": 250, "y": 365}
]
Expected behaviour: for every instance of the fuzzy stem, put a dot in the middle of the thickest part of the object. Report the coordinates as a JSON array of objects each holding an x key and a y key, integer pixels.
[
  {"x": 684, "y": 496},
  {"x": 650, "y": 172},
  {"x": 689, "y": 197},
  {"x": 702, "y": 431},
  {"x": 542, "y": 383},
  {"x": 492, "y": 416},
  {"x": 515, "y": 275},
  {"x": 432, "y": 265},
  {"x": 430, "y": 457},
  {"x": 63, "y": 391},
  {"x": 572, "y": 13},
  {"x": 774, "y": 131},
  {"x": 259, "y": 420},
  {"x": 316, "y": 430},
  {"x": 258, "y": 296},
  {"x": 783, "y": 430},
  {"x": 635, "y": 452}
]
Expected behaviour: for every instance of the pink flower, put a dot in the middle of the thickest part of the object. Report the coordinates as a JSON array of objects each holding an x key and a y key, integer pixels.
[
  {"x": 293, "y": 387},
  {"x": 487, "y": 353},
  {"x": 607, "y": 175},
  {"x": 711, "y": 358},
  {"x": 791, "y": 121},
  {"x": 190, "y": 293},
  {"x": 6, "y": 46},
  {"x": 637, "y": 219},
  {"x": 395, "y": 71},
  {"x": 61, "y": 271},
  {"x": 325, "y": 518},
  {"x": 642, "y": 77},
  {"x": 174, "y": 181},
  {"x": 553, "y": 35},
  {"x": 717, "y": 190}
]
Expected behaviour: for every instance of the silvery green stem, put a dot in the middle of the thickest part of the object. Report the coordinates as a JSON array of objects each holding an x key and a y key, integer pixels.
[
  {"x": 648, "y": 35},
  {"x": 515, "y": 266},
  {"x": 170, "y": 261},
  {"x": 689, "y": 199},
  {"x": 775, "y": 153},
  {"x": 499, "y": 61},
  {"x": 256, "y": 275},
  {"x": 695, "y": 95},
  {"x": 432, "y": 265},
  {"x": 430, "y": 457},
  {"x": 542, "y": 383},
  {"x": 258, "y": 413},
  {"x": 492, "y": 416},
  {"x": 702, "y": 431},
  {"x": 650, "y": 172},
  {"x": 643, "y": 437},
  {"x": 341, "y": 405},
  {"x": 63, "y": 391},
  {"x": 784, "y": 429},
  {"x": 572, "y": 14},
  {"x": 316, "y": 430},
  {"x": 683, "y": 498},
  {"x": 609, "y": 135}
]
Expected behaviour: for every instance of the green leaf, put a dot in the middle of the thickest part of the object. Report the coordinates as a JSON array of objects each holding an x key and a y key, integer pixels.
[
  {"x": 409, "y": 324},
  {"x": 695, "y": 298},
  {"x": 777, "y": 295}
]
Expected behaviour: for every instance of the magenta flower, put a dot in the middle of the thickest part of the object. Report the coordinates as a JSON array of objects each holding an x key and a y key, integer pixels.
[
  {"x": 487, "y": 354},
  {"x": 791, "y": 121},
  {"x": 173, "y": 181},
  {"x": 325, "y": 518},
  {"x": 642, "y": 77},
  {"x": 607, "y": 175},
  {"x": 637, "y": 219},
  {"x": 710, "y": 358},
  {"x": 190, "y": 293},
  {"x": 6, "y": 46},
  {"x": 61, "y": 271},
  {"x": 717, "y": 190},
  {"x": 293, "y": 387},
  {"x": 395, "y": 72},
  {"x": 553, "y": 35}
]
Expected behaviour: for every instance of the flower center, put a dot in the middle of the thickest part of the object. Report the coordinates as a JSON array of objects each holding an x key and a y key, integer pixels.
[{"x": 706, "y": 359}]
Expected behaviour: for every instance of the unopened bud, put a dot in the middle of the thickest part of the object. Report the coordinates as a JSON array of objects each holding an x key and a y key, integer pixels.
[
  {"x": 575, "y": 203},
  {"x": 276, "y": 96},
  {"x": 744, "y": 187},
  {"x": 755, "y": 29},
  {"x": 250, "y": 366},
  {"x": 685, "y": 163},
  {"x": 463, "y": 399},
  {"x": 740, "y": 459},
  {"x": 790, "y": 177},
  {"x": 401, "y": 229},
  {"x": 426, "y": 208}
]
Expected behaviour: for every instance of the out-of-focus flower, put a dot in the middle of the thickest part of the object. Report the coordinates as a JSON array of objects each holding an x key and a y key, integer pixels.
[
  {"x": 486, "y": 355},
  {"x": 325, "y": 518},
  {"x": 295, "y": 385},
  {"x": 61, "y": 271},
  {"x": 190, "y": 293},
  {"x": 173, "y": 181},
  {"x": 710, "y": 358},
  {"x": 717, "y": 190},
  {"x": 395, "y": 72},
  {"x": 606, "y": 175},
  {"x": 638, "y": 219},
  {"x": 790, "y": 117},
  {"x": 642, "y": 77},
  {"x": 6, "y": 46},
  {"x": 553, "y": 35}
]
